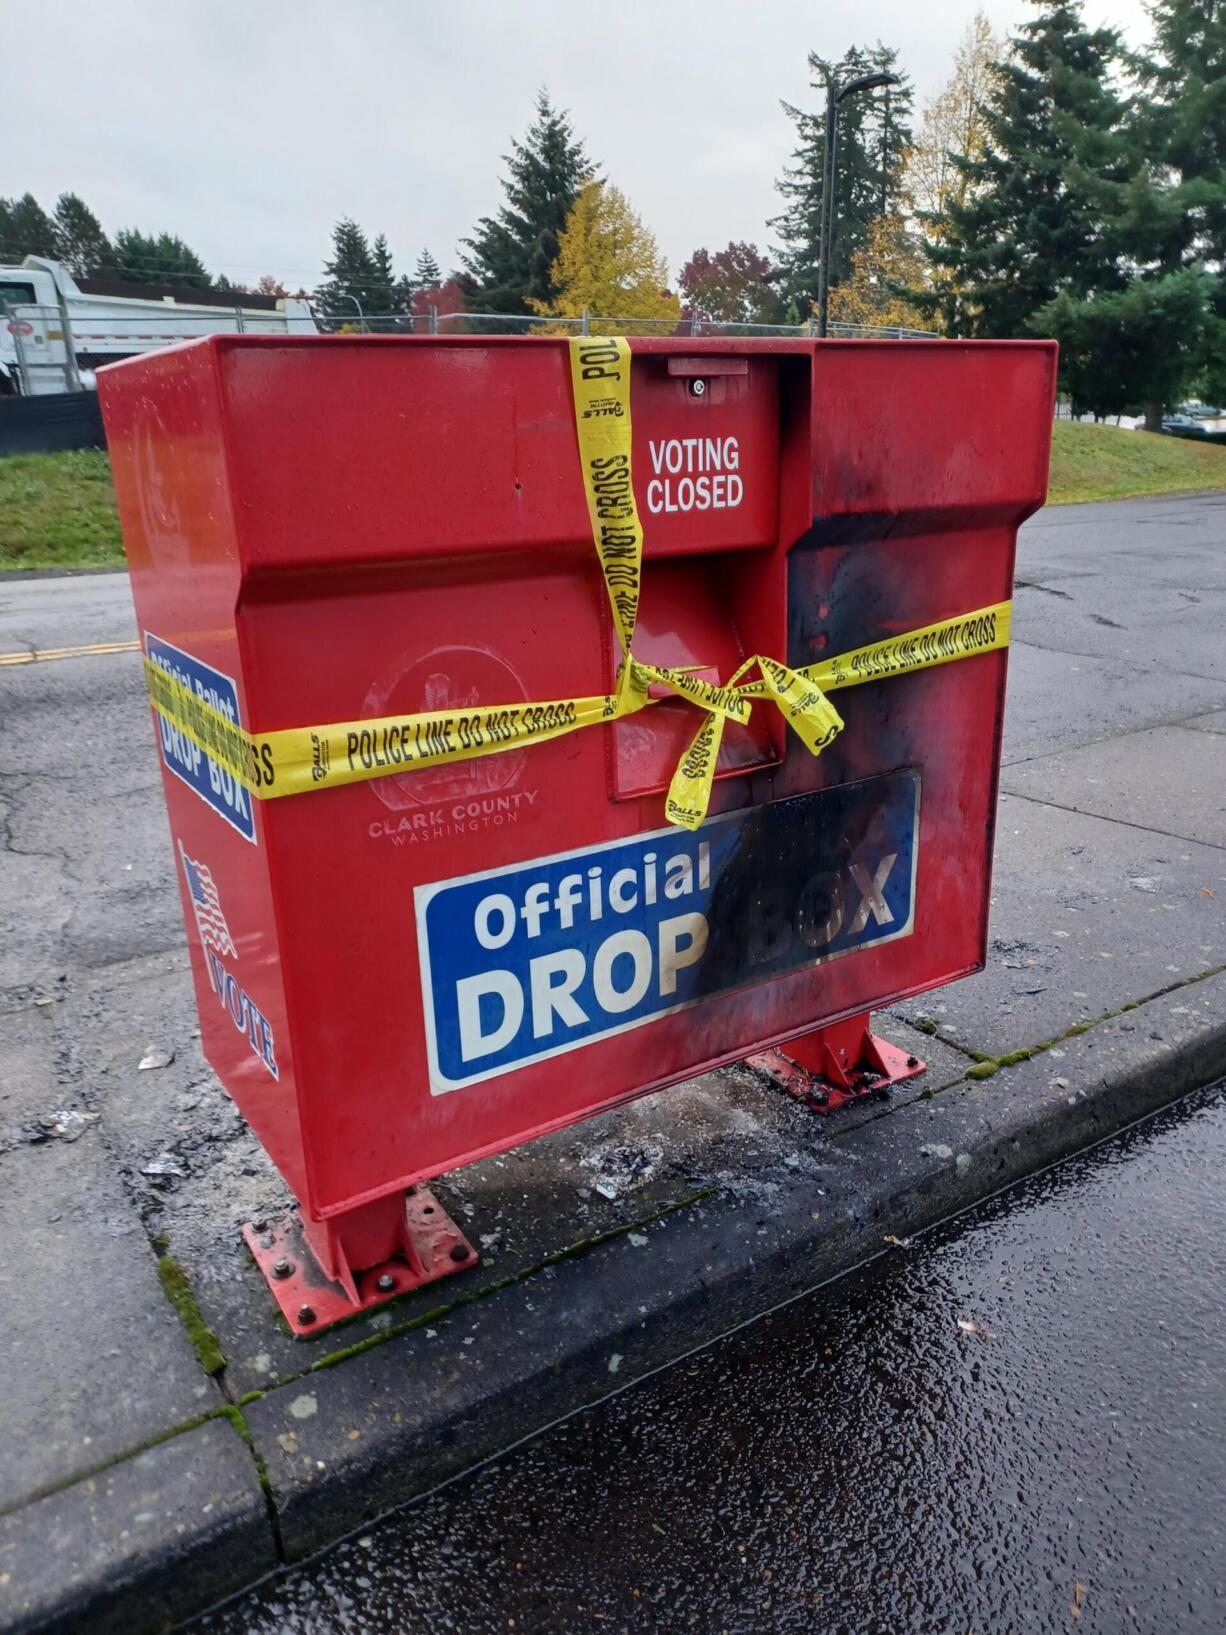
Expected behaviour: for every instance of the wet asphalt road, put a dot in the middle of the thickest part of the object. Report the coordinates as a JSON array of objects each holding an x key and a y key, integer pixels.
[{"x": 1016, "y": 1424}]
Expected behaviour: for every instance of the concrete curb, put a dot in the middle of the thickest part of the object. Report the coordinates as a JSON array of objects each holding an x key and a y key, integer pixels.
[
  {"x": 141, "y": 1545},
  {"x": 12, "y": 575},
  {"x": 349, "y": 1441},
  {"x": 378, "y": 1427}
]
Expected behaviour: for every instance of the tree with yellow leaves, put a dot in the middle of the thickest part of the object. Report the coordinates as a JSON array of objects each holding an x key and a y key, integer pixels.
[
  {"x": 953, "y": 126},
  {"x": 891, "y": 258},
  {"x": 941, "y": 174},
  {"x": 609, "y": 265}
]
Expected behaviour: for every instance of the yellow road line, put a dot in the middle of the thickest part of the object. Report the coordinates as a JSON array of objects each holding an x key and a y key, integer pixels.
[{"x": 44, "y": 655}]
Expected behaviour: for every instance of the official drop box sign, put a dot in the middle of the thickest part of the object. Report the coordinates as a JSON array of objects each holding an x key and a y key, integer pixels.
[
  {"x": 519, "y": 964},
  {"x": 204, "y": 776}
]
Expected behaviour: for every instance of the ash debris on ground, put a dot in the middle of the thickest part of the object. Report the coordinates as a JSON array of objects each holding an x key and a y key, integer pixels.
[
  {"x": 65, "y": 1124},
  {"x": 1017, "y": 954},
  {"x": 191, "y": 1165},
  {"x": 619, "y": 1167}
]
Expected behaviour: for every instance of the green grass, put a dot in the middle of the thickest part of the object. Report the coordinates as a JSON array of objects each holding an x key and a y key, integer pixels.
[
  {"x": 1105, "y": 463},
  {"x": 58, "y": 510}
]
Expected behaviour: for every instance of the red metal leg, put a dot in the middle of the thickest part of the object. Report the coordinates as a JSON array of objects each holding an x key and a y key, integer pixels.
[
  {"x": 831, "y": 1066},
  {"x": 324, "y": 1271}
]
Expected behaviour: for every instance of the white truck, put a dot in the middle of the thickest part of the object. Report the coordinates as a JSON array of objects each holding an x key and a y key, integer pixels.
[{"x": 56, "y": 329}]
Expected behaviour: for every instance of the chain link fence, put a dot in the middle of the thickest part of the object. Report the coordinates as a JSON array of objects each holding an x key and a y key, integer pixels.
[
  {"x": 44, "y": 348},
  {"x": 435, "y": 322}
]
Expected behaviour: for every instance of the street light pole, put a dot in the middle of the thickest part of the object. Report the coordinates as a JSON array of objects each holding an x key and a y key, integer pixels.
[
  {"x": 835, "y": 96},
  {"x": 827, "y": 215},
  {"x": 346, "y": 297}
]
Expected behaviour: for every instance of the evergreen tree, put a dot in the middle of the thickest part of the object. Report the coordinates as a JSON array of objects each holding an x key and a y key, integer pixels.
[
  {"x": 423, "y": 289},
  {"x": 1166, "y": 332},
  {"x": 1031, "y": 222},
  {"x": 382, "y": 294},
  {"x": 352, "y": 274},
  {"x": 1177, "y": 207},
  {"x": 80, "y": 242},
  {"x": 1122, "y": 350},
  {"x": 1181, "y": 124},
  {"x": 143, "y": 258},
  {"x": 427, "y": 275},
  {"x": 25, "y": 229},
  {"x": 510, "y": 256},
  {"x": 610, "y": 266},
  {"x": 873, "y": 137}
]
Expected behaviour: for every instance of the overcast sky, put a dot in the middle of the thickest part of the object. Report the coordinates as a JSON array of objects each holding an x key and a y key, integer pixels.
[{"x": 249, "y": 126}]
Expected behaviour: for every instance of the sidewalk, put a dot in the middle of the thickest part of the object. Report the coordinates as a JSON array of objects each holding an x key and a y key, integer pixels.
[{"x": 166, "y": 1442}]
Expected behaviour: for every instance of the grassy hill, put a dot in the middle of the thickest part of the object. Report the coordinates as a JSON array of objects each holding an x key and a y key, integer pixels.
[
  {"x": 1103, "y": 463},
  {"x": 58, "y": 510}
]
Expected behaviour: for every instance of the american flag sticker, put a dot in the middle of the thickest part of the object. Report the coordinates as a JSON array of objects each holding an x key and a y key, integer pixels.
[{"x": 210, "y": 921}]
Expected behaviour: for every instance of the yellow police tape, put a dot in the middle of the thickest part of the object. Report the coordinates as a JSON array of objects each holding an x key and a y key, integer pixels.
[{"x": 296, "y": 760}]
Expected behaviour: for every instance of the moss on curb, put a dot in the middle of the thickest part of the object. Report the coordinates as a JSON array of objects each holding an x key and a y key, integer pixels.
[
  {"x": 1016, "y": 1056},
  {"x": 178, "y": 1291},
  {"x": 581, "y": 1246},
  {"x": 986, "y": 1066}
]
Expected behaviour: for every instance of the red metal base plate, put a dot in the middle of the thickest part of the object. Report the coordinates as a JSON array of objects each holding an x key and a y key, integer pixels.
[
  {"x": 311, "y": 1302},
  {"x": 882, "y": 1066}
]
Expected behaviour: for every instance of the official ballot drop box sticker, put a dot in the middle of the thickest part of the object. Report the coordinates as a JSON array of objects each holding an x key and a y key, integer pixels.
[{"x": 524, "y": 963}]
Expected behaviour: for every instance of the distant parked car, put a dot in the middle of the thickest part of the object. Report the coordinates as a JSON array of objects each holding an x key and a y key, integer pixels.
[{"x": 1201, "y": 411}]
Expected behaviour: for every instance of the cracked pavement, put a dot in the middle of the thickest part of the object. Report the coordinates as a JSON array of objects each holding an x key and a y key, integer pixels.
[{"x": 1110, "y": 888}]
